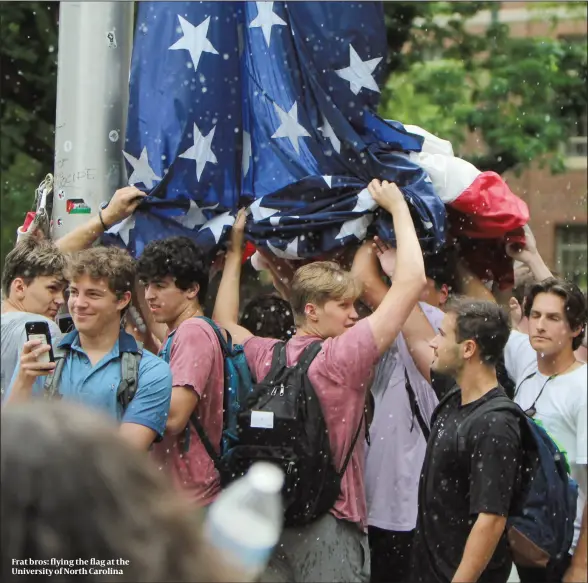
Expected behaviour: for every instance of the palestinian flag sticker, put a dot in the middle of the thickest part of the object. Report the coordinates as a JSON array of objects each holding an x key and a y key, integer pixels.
[{"x": 77, "y": 206}]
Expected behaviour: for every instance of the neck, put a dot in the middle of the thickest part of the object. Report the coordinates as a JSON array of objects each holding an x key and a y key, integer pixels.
[
  {"x": 190, "y": 311},
  {"x": 551, "y": 364},
  {"x": 101, "y": 341},
  {"x": 307, "y": 330},
  {"x": 10, "y": 305},
  {"x": 475, "y": 380}
]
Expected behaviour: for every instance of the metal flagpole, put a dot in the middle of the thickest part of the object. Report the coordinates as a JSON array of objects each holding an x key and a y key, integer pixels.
[{"x": 95, "y": 43}]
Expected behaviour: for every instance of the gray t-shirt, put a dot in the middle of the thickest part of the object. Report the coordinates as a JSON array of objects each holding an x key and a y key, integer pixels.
[{"x": 12, "y": 329}]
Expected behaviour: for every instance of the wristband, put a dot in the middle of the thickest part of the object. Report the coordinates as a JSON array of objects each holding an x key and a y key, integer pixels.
[{"x": 102, "y": 220}]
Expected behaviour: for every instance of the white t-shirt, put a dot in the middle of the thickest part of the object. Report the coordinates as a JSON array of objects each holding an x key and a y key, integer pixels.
[
  {"x": 14, "y": 336},
  {"x": 561, "y": 409},
  {"x": 395, "y": 457}
]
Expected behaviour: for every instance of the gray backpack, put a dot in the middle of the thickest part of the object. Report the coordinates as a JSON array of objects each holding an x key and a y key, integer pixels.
[{"x": 127, "y": 388}]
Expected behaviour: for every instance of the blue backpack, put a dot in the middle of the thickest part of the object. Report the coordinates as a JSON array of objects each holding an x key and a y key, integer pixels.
[
  {"x": 540, "y": 525},
  {"x": 237, "y": 387}
]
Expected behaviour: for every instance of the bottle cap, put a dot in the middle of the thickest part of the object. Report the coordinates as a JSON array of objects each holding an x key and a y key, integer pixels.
[{"x": 266, "y": 477}]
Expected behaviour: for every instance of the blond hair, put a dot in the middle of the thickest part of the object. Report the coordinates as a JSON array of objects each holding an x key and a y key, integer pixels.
[
  {"x": 114, "y": 265},
  {"x": 319, "y": 282}
]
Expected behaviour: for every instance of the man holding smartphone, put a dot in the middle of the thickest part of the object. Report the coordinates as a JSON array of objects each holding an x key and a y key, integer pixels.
[
  {"x": 92, "y": 369},
  {"x": 33, "y": 283}
]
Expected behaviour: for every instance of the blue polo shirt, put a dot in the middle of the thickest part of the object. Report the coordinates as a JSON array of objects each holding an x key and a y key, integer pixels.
[{"x": 96, "y": 386}]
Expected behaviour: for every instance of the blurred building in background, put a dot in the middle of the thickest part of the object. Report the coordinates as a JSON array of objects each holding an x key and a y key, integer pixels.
[{"x": 557, "y": 202}]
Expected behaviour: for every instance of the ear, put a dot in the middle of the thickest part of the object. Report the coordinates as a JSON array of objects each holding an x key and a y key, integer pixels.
[
  {"x": 124, "y": 301},
  {"x": 444, "y": 293},
  {"x": 579, "y": 330},
  {"x": 469, "y": 349},
  {"x": 192, "y": 292},
  {"x": 310, "y": 312},
  {"x": 18, "y": 287}
]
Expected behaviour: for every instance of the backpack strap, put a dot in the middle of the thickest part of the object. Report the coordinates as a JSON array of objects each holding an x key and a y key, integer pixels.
[
  {"x": 205, "y": 441},
  {"x": 442, "y": 403},
  {"x": 415, "y": 409},
  {"x": 309, "y": 354},
  {"x": 129, "y": 379},
  {"x": 51, "y": 385},
  {"x": 352, "y": 447}
]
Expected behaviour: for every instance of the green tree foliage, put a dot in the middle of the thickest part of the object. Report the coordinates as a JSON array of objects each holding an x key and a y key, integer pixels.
[
  {"x": 28, "y": 69},
  {"x": 519, "y": 95}
]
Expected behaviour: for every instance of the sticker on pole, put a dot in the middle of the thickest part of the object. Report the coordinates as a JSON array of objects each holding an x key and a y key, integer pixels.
[
  {"x": 111, "y": 39},
  {"x": 77, "y": 206}
]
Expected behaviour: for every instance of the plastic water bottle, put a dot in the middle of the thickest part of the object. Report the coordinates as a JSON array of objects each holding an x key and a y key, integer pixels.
[{"x": 245, "y": 522}]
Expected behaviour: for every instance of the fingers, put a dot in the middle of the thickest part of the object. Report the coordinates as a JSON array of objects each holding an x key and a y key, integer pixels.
[
  {"x": 240, "y": 219},
  {"x": 380, "y": 246}
]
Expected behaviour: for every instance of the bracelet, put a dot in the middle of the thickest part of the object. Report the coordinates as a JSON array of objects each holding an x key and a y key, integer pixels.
[{"x": 102, "y": 220}]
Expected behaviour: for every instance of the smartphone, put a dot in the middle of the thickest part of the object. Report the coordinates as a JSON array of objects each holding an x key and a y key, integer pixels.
[
  {"x": 65, "y": 323},
  {"x": 40, "y": 331}
]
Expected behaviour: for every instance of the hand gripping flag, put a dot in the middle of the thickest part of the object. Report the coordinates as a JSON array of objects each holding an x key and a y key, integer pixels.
[{"x": 269, "y": 105}]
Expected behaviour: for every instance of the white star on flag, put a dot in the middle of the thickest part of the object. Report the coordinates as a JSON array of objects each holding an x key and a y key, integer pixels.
[
  {"x": 194, "y": 40},
  {"x": 260, "y": 212},
  {"x": 291, "y": 251},
  {"x": 290, "y": 128},
  {"x": 123, "y": 229},
  {"x": 201, "y": 152},
  {"x": 359, "y": 73},
  {"x": 218, "y": 224},
  {"x": 265, "y": 19},
  {"x": 357, "y": 227},
  {"x": 194, "y": 217},
  {"x": 142, "y": 172},
  {"x": 329, "y": 134},
  {"x": 246, "y": 152},
  {"x": 365, "y": 202}
]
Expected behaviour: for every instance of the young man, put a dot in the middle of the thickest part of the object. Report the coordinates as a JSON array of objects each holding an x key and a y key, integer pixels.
[
  {"x": 175, "y": 274},
  {"x": 466, "y": 488},
  {"x": 552, "y": 386},
  {"x": 322, "y": 295},
  {"x": 101, "y": 280},
  {"x": 32, "y": 286},
  {"x": 395, "y": 455}
]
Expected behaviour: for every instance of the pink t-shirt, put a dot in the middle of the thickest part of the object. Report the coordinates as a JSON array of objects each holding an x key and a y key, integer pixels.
[
  {"x": 340, "y": 375},
  {"x": 196, "y": 361}
]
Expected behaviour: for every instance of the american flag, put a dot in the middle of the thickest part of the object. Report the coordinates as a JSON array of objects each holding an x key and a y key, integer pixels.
[{"x": 272, "y": 106}]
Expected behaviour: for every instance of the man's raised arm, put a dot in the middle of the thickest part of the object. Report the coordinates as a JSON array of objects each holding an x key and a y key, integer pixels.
[
  {"x": 226, "y": 307},
  {"x": 409, "y": 277}
]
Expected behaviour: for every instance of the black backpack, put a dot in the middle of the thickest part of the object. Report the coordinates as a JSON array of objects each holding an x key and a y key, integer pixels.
[{"x": 282, "y": 423}]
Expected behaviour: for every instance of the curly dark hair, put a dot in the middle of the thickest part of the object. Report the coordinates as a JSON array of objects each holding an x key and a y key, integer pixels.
[
  {"x": 574, "y": 303},
  {"x": 270, "y": 317},
  {"x": 72, "y": 488},
  {"x": 176, "y": 257},
  {"x": 484, "y": 322}
]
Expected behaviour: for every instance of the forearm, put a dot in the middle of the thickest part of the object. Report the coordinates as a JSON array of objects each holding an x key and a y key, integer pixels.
[
  {"x": 81, "y": 237},
  {"x": 580, "y": 560},
  {"x": 418, "y": 333},
  {"x": 410, "y": 266},
  {"x": 226, "y": 307},
  {"x": 20, "y": 392},
  {"x": 538, "y": 268},
  {"x": 479, "y": 547}
]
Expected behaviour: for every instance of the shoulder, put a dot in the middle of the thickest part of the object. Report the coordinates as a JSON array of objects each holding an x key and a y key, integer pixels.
[
  {"x": 255, "y": 344},
  {"x": 153, "y": 365},
  {"x": 496, "y": 420},
  {"x": 193, "y": 329},
  {"x": 433, "y": 314}
]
